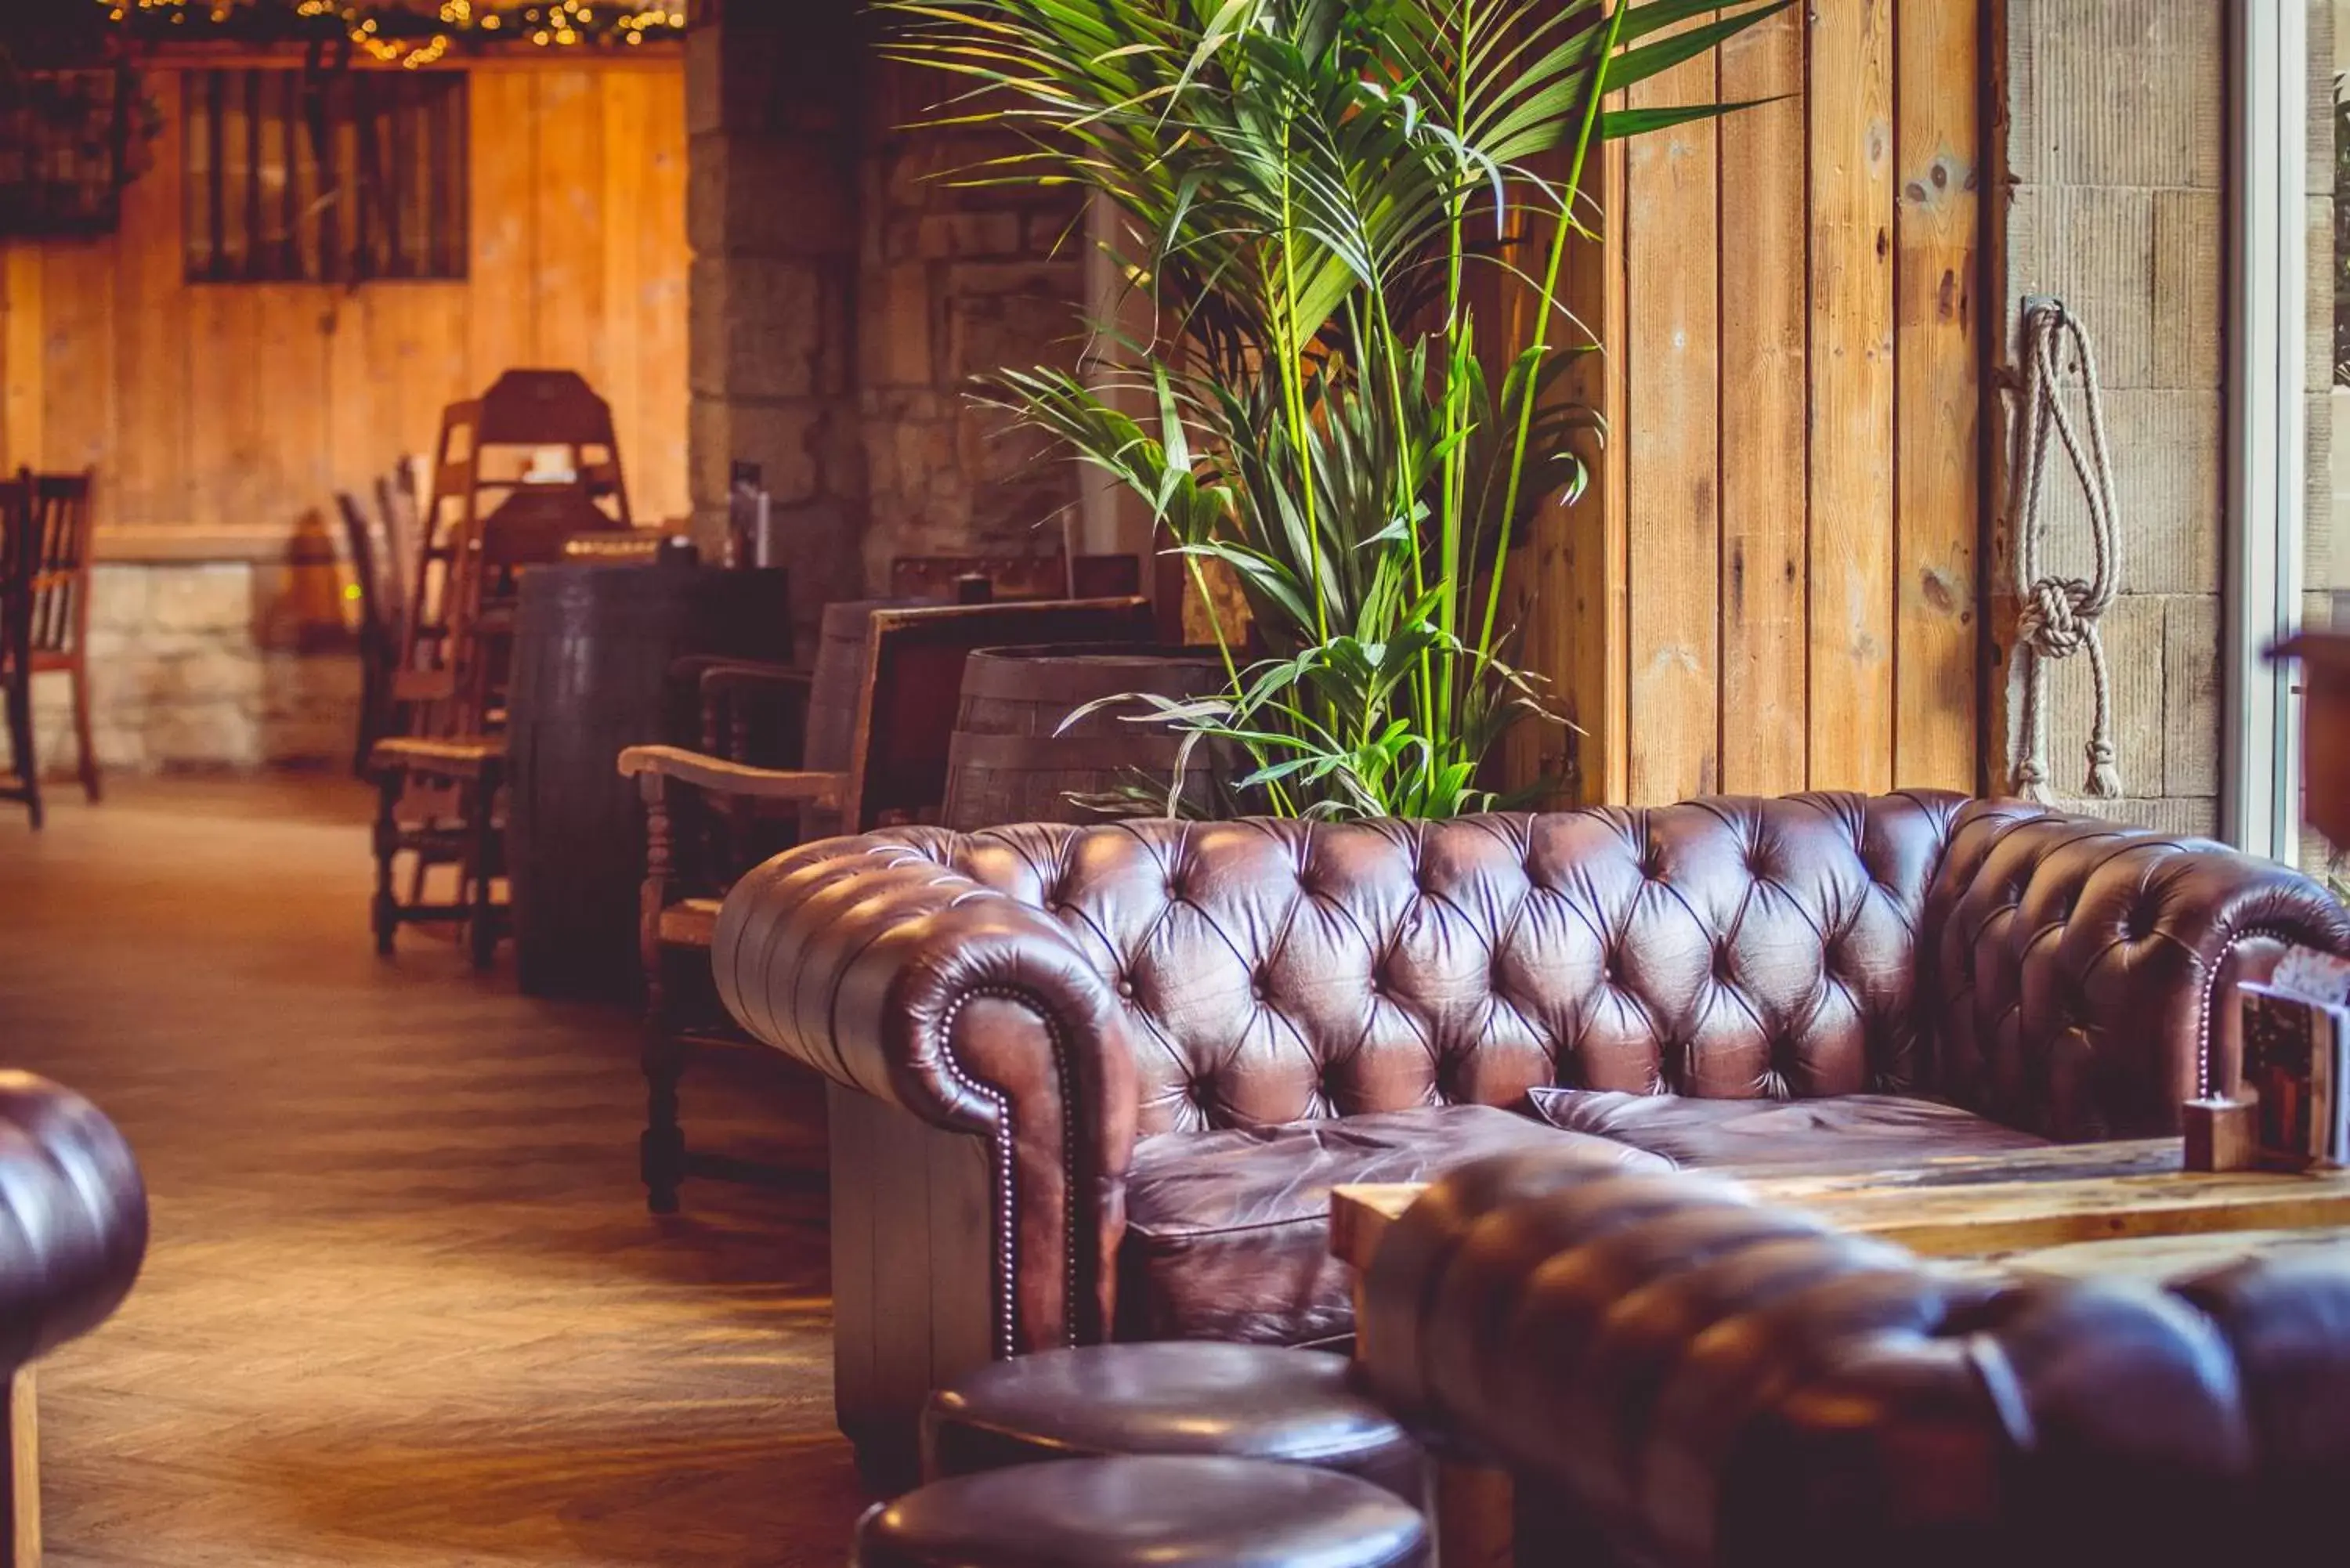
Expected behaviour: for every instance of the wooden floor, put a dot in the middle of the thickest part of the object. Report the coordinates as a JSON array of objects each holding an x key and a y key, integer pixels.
[{"x": 405, "y": 1305}]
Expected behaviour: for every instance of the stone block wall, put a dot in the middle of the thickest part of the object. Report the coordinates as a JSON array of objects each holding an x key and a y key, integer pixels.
[
  {"x": 845, "y": 290},
  {"x": 2116, "y": 159},
  {"x": 208, "y": 666},
  {"x": 956, "y": 281}
]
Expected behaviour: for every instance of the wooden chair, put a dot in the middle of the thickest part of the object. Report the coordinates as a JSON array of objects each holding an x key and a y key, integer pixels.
[
  {"x": 17, "y": 554},
  {"x": 47, "y": 609},
  {"x": 879, "y": 760},
  {"x": 1051, "y": 577},
  {"x": 441, "y": 778},
  {"x": 375, "y": 574}
]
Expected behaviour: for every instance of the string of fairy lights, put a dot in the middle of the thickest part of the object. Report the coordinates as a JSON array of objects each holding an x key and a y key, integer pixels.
[{"x": 409, "y": 33}]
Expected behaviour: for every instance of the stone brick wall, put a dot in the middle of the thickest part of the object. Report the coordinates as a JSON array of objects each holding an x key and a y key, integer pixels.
[
  {"x": 2117, "y": 159},
  {"x": 844, "y": 292},
  {"x": 204, "y": 666},
  {"x": 955, "y": 282}
]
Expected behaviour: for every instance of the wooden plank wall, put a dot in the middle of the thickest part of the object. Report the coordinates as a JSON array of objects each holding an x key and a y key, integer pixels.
[
  {"x": 1775, "y": 580},
  {"x": 222, "y": 417}
]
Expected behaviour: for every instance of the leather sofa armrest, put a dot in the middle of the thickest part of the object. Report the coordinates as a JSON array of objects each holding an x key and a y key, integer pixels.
[
  {"x": 890, "y": 972},
  {"x": 2079, "y": 971},
  {"x": 77, "y": 1217}
]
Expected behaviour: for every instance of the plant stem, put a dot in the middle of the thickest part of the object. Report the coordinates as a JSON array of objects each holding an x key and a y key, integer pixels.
[{"x": 1546, "y": 304}]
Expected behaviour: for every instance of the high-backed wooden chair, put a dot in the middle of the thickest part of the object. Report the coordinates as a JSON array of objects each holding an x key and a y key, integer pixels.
[
  {"x": 709, "y": 817},
  {"x": 49, "y": 567},
  {"x": 496, "y": 510},
  {"x": 375, "y": 576},
  {"x": 1051, "y": 577}
]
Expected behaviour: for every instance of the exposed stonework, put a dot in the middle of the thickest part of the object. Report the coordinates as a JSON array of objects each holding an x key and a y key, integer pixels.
[
  {"x": 2114, "y": 153},
  {"x": 956, "y": 281},
  {"x": 204, "y": 666},
  {"x": 845, "y": 291}
]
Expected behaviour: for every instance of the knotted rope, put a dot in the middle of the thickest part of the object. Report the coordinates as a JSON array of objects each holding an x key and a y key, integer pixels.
[{"x": 2059, "y": 615}]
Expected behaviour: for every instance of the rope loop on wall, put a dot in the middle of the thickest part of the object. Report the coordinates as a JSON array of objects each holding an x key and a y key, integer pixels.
[{"x": 2058, "y": 616}]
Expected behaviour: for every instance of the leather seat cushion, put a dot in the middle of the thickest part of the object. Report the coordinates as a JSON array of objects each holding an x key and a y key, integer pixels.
[
  {"x": 1175, "y": 1396},
  {"x": 1228, "y": 1232},
  {"x": 1145, "y": 1512},
  {"x": 1839, "y": 1132}
]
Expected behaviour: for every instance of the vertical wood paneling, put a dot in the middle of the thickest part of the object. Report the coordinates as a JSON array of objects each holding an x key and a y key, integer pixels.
[
  {"x": 503, "y": 164},
  {"x": 1787, "y": 595},
  {"x": 20, "y": 394},
  {"x": 78, "y": 353},
  {"x": 1850, "y": 105},
  {"x": 565, "y": 284},
  {"x": 654, "y": 445},
  {"x": 226, "y": 427},
  {"x": 294, "y": 473},
  {"x": 149, "y": 479},
  {"x": 1764, "y": 486},
  {"x": 1937, "y": 407},
  {"x": 225, "y": 415},
  {"x": 1670, "y": 442}
]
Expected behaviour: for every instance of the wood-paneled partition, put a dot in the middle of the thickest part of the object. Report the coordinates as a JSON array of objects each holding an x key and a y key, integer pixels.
[
  {"x": 1773, "y": 583},
  {"x": 223, "y": 416}
]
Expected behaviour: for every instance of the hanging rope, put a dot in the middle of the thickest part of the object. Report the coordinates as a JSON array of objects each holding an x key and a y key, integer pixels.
[{"x": 2059, "y": 615}]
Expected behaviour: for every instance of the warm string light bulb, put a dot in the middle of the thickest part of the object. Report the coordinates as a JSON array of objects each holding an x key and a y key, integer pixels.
[{"x": 416, "y": 33}]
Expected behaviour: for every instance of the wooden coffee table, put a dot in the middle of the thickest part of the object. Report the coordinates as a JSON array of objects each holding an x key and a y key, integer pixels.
[
  {"x": 2001, "y": 1206},
  {"x": 2114, "y": 1210}
]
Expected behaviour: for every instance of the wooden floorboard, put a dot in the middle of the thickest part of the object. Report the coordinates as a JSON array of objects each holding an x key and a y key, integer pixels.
[{"x": 405, "y": 1305}]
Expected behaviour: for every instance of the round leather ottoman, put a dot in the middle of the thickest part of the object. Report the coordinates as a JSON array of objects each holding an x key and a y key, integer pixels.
[
  {"x": 1144, "y": 1509},
  {"x": 1173, "y": 1397}
]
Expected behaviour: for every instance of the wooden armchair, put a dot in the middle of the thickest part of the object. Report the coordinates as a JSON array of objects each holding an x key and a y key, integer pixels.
[{"x": 879, "y": 758}]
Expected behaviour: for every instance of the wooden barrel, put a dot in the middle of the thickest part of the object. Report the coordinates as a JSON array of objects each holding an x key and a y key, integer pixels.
[
  {"x": 593, "y": 646},
  {"x": 1009, "y": 760}
]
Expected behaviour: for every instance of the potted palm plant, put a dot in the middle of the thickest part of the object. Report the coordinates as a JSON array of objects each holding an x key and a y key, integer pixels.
[{"x": 1316, "y": 196}]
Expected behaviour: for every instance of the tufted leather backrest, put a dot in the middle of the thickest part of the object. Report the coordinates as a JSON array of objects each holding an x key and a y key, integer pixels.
[
  {"x": 2077, "y": 971},
  {"x": 1278, "y": 971}
]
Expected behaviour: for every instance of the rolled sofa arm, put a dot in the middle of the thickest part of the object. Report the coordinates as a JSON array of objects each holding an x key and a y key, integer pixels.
[
  {"x": 76, "y": 1218},
  {"x": 875, "y": 961},
  {"x": 1713, "y": 1381},
  {"x": 2077, "y": 971}
]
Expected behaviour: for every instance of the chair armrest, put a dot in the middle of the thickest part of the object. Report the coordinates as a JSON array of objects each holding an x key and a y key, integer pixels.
[
  {"x": 723, "y": 673},
  {"x": 874, "y": 962},
  {"x": 458, "y": 758},
  {"x": 76, "y": 1217},
  {"x": 2079, "y": 973},
  {"x": 719, "y": 776}
]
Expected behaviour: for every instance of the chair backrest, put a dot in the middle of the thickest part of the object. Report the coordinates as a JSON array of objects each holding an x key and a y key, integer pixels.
[
  {"x": 913, "y": 686},
  {"x": 52, "y": 556},
  {"x": 17, "y": 551},
  {"x": 1018, "y": 577},
  {"x": 399, "y": 509},
  {"x": 373, "y": 570}
]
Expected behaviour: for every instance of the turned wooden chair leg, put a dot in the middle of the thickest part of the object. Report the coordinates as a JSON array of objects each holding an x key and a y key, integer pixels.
[
  {"x": 661, "y": 1149},
  {"x": 481, "y": 924},
  {"x": 20, "y": 1542},
  {"x": 386, "y": 908},
  {"x": 86, "y": 752},
  {"x": 660, "y": 1155},
  {"x": 20, "y": 742}
]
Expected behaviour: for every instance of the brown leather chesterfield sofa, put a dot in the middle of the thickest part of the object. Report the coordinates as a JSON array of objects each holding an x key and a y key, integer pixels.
[
  {"x": 1689, "y": 1379},
  {"x": 1097, "y": 1081},
  {"x": 73, "y": 1233}
]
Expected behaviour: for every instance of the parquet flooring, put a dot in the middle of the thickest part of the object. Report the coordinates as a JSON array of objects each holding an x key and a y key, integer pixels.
[{"x": 403, "y": 1305}]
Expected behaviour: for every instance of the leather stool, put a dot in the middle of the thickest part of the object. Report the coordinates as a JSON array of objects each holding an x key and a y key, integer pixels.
[
  {"x": 1144, "y": 1509},
  {"x": 1172, "y": 1396}
]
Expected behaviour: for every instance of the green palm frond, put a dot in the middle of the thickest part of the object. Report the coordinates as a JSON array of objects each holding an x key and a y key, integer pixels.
[{"x": 1311, "y": 188}]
